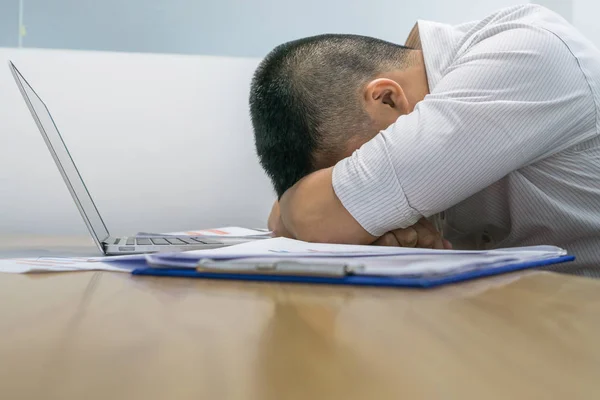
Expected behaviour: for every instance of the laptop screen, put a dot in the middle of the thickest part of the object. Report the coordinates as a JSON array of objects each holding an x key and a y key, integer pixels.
[{"x": 63, "y": 159}]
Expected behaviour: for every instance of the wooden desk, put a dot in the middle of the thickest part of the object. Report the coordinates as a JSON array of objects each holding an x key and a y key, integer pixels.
[{"x": 91, "y": 336}]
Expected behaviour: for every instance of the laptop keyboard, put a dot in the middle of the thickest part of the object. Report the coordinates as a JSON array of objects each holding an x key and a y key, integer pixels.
[{"x": 159, "y": 241}]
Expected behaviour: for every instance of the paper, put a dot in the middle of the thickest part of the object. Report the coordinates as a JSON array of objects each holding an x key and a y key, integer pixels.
[
  {"x": 58, "y": 264},
  {"x": 402, "y": 265},
  {"x": 369, "y": 260},
  {"x": 283, "y": 247}
]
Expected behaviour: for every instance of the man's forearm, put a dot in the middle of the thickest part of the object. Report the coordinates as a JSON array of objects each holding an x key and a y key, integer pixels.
[{"x": 311, "y": 211}]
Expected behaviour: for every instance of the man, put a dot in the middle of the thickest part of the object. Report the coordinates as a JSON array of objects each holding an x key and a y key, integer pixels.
[{"x": 490, "y": 125}]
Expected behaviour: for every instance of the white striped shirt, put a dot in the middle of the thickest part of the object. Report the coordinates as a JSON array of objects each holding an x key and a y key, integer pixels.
[{"x": 505, "y": 146}]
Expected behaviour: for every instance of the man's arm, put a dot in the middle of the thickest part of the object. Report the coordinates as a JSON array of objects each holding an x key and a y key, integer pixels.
[
  {"x": 423, "y": 234},
  {"x": 311, "y": 211}
]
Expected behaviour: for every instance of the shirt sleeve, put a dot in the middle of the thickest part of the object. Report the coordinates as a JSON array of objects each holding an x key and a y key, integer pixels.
[{"x": 510, "y": 100}]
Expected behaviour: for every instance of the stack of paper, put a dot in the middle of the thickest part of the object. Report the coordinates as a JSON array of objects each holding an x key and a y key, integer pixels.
[{"x": 363, "y": 260}]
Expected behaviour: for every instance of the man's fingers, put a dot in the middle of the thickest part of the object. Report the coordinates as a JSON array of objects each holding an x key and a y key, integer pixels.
[
  {"x": 398, "y": 238},
  {"x": 429, "y": 237},
  {"x": 406, "y": 237},
  {"x": 423, "y": 234},
  {"x": 427, "y": 224},
  {"x": 389, "y": 239},
  {"x": 441, "y": 243}
]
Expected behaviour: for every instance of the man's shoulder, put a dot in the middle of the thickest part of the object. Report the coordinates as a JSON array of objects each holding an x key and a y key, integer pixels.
[
  {"x": 525, "y": 25},
  {"x": 517, "y": 32},
  {"x": 540, "y": 39},
  {"x": 522, "y": 14}
]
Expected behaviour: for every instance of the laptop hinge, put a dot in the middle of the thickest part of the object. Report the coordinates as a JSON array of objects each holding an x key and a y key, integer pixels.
[{"x": 109, "y": 241}]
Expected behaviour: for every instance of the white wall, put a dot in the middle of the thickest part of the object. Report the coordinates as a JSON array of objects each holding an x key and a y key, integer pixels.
[
  {"x": 562, "y": 7},
  {"x": 9, "y": 22},
  {"x": 583, "y": 14},
  {"x": 247, "y": 28},
  {"x": 586, "y": 17},
  {"x": 164, "y": 142}
]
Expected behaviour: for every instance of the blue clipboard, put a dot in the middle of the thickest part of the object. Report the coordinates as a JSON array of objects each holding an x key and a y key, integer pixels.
[{"x": 356, "y": 280}]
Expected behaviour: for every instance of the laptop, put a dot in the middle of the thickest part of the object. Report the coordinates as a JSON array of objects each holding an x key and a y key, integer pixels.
[{"x": 107, "y": 244}]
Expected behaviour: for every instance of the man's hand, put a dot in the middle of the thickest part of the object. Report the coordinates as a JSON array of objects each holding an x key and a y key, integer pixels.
[{"x": 422, "y": 234}]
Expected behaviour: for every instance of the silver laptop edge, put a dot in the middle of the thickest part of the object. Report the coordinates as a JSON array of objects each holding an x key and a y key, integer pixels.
[{"x": 92, "y": 218}]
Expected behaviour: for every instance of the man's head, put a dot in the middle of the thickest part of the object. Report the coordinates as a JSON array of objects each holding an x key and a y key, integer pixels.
[{"x": 315, "y": 100}]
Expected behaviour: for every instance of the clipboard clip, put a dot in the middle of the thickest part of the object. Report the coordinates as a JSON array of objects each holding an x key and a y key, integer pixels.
[{"x": 276, "y": 268}]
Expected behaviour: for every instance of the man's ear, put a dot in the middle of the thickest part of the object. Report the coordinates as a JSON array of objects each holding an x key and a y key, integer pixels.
[{"x": 384, "y": 97}]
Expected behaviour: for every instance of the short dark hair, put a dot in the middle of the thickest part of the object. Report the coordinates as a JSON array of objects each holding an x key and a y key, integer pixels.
[{"x": 304, "y": 100}]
